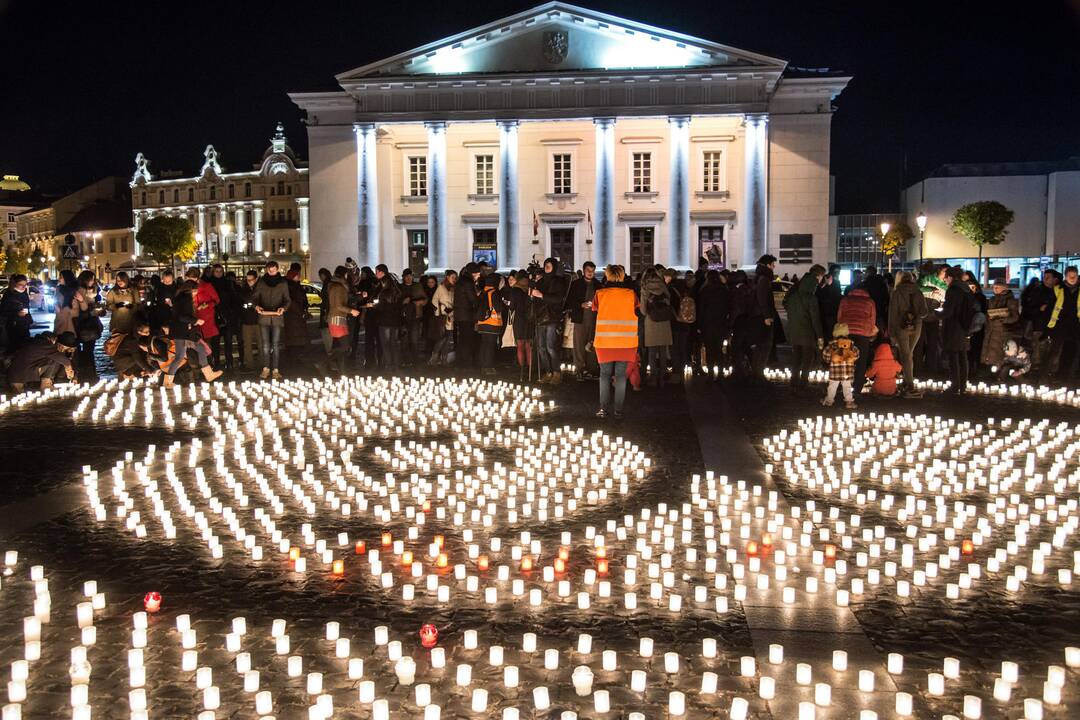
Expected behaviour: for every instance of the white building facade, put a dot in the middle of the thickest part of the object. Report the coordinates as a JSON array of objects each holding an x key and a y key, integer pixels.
[
  {"x": 1045, "y": 200},
  {"x": 567, "y": 132}
]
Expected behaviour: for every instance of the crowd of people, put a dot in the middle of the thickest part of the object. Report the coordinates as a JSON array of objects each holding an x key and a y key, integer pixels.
[{"x": 656, "y": 328}]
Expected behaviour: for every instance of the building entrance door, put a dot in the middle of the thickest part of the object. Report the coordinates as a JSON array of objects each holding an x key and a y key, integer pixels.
[
  {"x": 641, "y": 248},
  {"x": 418, "y": 252},
  {"x": 712, "y": 246},
  {"x": 562, "y": 246}
]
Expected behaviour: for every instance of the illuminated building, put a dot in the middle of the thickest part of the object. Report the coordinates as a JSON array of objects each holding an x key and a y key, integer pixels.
[{"x": 568, "y": 132}]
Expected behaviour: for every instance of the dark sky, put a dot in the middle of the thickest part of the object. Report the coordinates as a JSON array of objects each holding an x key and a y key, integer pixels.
[{"x": 86, "y": 85}]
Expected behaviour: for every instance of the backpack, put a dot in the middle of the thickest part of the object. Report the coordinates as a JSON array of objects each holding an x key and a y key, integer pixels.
[
  {"x": 658, "y": 308},
  {"x": 687, "y": 310},
  {"x": 113, "y": 343}
]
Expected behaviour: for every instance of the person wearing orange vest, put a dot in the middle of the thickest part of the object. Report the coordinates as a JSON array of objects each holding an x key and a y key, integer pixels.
[
  {"x": 616, "y": 337},
  {"x": 489, "y": 323}
]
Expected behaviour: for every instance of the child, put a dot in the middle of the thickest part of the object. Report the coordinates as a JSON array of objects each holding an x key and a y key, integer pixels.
[
  {"x": 883, "y": 371},
  {"x": 1016, "y": 362},
  {"x": 840, "y": 355}
]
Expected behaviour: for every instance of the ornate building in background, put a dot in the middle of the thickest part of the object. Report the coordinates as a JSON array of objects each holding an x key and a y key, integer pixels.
[
  {"x": 568, "y": 132},
  {"x": 240, "y": 218}
]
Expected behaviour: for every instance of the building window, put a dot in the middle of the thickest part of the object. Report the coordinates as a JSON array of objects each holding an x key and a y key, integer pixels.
[
  {"x": 112, "y": 244},
  {"x": 232, "y": 191},
  {"x": 176, "y": 195},
  {"x": 561, "y": 178},
  {"x": 11, "y": 235},
  {"x": 161, "y": 197},
  {"x": 142, "y": 198},
  {"x": 288, "y": 189},
  {"x": 123, "y": 244},
  {"x": 213, "y": 219},
  {"x": 418, "y": 176},
  {"x": 711, "y": 171},
  {"x": 247, "y": 218},
  {"x": 101, "y": 246},
  {"x": 191, "y": 194},
  {"x": 281, "y": 187},
  {"x": 641, "y": 167},
  {"x": 11, "y": 217},
  {"x": 213, "y": 192},
  {"x": 247, "y": 189},
  {"x": 485, "y": 174}
]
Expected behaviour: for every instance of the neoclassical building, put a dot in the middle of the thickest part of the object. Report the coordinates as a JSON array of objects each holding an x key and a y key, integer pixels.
[
  {"x": 568, "y": 132},
  {"x": 239, "y": 217}
]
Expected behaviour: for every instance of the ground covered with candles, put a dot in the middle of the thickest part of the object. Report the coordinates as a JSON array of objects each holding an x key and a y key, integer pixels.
[{"x": 439, "y": 548}]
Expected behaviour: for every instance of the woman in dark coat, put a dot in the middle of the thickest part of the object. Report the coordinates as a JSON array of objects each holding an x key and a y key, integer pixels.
[
  {"x": 294, "y": 335},
  {"x": 956, "y": 316},
  {"x": 714, "y": 317},
  {"x": 517, "y": 297},
  {"x": 389, "y": 309},
  {"x": 804, "y": 327}
]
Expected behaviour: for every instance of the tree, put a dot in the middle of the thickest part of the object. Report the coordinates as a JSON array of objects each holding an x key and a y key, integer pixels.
[
  {"x": 168, "y": 239},
  {"x": 982, "y": 223},
  {"x": 3, "y": 258},
  {"x": 895, "y": 239},
  {"x": 36, "y": 262},
  {"x": 16, "y": 262}
]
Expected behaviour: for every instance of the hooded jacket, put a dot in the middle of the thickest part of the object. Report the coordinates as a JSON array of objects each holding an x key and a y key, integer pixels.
[{"x": 859, "y": 313}]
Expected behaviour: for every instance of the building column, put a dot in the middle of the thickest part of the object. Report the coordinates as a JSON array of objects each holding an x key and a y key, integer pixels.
[
  {"x": 508, "y": 193},
  {"x": 756, "y": 214},
  {"x": 259, "y": 244},
  {"x": 135, "y": 237},
  {"x": 438, "y": 256},
  {"x": 241, "y": 230},
  {"x": 302, "y": 209},
  {"x": 679, "y": 245},
  {"x": 605, "y": 191},
  {"x": 367, "y": 196},
  {"x": 202, "y": 229}
]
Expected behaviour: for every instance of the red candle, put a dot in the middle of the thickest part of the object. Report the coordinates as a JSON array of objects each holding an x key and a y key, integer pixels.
[
  {"x": 560, "y": 565},
  {"x": 339, "y": 568},
  {"x": 830, "y": 552},
  {"x": 294, "y": 552},
  {"x": 482, "y": 562},
  {"x": 152, "y": 601},
  {"x": 564, "y": 553},
  {"x": 601, "y": 552},
  {"x": 751, "y": 548},
  {"x": 361, "y": 546},
  {"x": 406, "y": 557},
  {"x": 967, "y": 547},
  {"x": 429, "y": 635},
  {"x": 426, "y": 506},
  {"x": 387, "y": 539},
  {"x": 441, "y": 561},
  {"x": 526, "y": 564},
  {"x": 601, "y": 566}
]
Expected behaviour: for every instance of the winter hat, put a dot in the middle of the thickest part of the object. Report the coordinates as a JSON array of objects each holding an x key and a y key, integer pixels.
[
  {"x": 840, "y": 330},
  {"x": 67, "y": 339}
]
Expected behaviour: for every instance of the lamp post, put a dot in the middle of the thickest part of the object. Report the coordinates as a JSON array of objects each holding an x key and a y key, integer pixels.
[
  {"x": 921, "y": 222},
  {"x": 885, "y": 231},
  {"x": 200, "y": 238}
]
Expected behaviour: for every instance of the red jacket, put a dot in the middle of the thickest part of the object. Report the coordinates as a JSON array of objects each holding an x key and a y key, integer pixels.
[
  {"x": 205, "y": 294},
  {"x": 883, "y": 370},
  {"x": 859, "y": 313}
]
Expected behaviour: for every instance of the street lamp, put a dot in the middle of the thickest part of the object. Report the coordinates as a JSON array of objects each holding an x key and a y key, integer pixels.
[
  {"x": 921, "y": 222},
  {"x": 885, "y": 231}
]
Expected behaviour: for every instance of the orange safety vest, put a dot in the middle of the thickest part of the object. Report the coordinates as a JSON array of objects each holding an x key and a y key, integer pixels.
[
  {"x": 494, "y": 323},
  {"x": 616, "y": 321}
]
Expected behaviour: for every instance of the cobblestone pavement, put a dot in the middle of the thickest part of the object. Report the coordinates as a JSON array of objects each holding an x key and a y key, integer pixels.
[{"x": 708, "y": 562}]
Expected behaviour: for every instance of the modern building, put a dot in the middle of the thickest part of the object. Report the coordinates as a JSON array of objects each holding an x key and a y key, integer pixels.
[
  {"x": 1045, "y": 197},
  {"x": 240, "y": 218},
  {"x": 856, "y": 241},
  {"x": 568, "y": 132}
]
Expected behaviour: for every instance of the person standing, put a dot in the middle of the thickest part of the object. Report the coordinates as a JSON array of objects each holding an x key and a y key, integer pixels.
[
  {"x": 442, "y": 329},
  {"x": 549, "y": 295},
  {"x": 859, "y": 313},
  {"x": 714, "y": 318},
  {"x": 804, "y": 327},
  {"x": 15, "y": 312},
  {"x": 683, "y": 317},
  {"x": 324, "y": 309},
  {"x": 249, "y": 320},
  {"x": 271, "y": 299},
  {"x": 206, "y": 304},
  {"x": 415, "y": 300},
  {"x": 224, "y": 315},
  {"x": 616, "y": 337},
  {"x": 338, "y": 312},
  {"x": 489, "y": 321},
  {"x": 1002, "y": 314},
  {"x": 1064, "y": 326},
  {"x": 122, "y": 303},
  {"x": 466, "y": 302},
  {"x": 88, "y": 327},
  {"x": 907, "y": 311},
  {"x": 933, "y": 285},
  {"x": 520, "y": 313},
  {"x": 579, "y": 307},
  {"x": 658, "y": 315},
  {"x": 829, "y": 297},
  {"x": 840, "y": 355},
  {"x": 294, "y": 333},
  {"x": 764, "y": 317},
  {"x": 877, "y": 288},
  {"x": 161, "y": 300},
  {"x": 389, "y": 312},
  {"x": 956, "y": 315},
  {"x": 1037, "y": 307}
]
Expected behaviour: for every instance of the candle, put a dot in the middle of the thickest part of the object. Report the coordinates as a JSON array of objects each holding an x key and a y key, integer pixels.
[{"x": 676, "y": 704}]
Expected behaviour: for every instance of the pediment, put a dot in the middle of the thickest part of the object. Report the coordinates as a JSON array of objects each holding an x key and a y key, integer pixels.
[{"x": 557, "y": 37}]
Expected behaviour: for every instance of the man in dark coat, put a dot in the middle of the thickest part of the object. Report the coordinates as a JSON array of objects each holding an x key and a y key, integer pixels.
[
  {"x": 1037, "y": 304},
  {"x": 764, "y": 318},
  {"x": 43, "y": 359},
  {"x": 15, "y": 311},
  {"x": 804, "y": 328},
  {"x": 829, "y": 297},
  {"x": 956, "y": 315},
  {"x": 579, "y": 306},
  {"x": 549, "y": 296}
]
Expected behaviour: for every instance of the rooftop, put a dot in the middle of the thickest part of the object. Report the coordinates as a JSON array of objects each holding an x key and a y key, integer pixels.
[
  {"x": 1000, "y": 169},
  {"x": 100, "y": 215}
]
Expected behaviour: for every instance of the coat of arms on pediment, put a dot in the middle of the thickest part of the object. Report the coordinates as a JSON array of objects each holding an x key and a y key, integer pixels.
[{"x": 556, "y": 45}]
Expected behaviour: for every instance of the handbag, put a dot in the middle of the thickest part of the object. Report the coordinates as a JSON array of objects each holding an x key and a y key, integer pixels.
[
  {"x": 508, "y": 338},
  {"x": 338, "y": 326}
]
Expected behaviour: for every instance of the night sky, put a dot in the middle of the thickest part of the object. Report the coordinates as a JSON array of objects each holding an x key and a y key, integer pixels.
[{"x": 86, "y": 85}]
